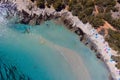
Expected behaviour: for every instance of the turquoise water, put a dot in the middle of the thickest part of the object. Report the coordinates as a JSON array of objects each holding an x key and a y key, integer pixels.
[{"x": 40, "y": 61}]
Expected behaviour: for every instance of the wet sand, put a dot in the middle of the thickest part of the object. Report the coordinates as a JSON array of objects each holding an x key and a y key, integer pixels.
[{"x": 74, "y": 60}]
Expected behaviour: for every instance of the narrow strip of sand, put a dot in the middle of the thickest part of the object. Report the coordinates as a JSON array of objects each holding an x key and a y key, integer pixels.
[{"x": 74, "y": 60}]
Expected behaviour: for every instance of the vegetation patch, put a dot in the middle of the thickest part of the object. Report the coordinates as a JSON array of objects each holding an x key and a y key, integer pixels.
[{"x": 114, "y": 40}]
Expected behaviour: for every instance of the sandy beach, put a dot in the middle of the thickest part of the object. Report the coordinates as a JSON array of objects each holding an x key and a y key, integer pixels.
[{"x": 75, "y": 61}]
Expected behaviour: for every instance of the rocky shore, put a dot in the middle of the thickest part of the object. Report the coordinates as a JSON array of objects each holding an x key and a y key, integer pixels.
[{"x": 88, "y": 35}]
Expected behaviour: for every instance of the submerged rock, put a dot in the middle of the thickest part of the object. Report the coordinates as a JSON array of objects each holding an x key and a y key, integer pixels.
[
  {"x": 11, "y": 72},
  {"x": 99, "y": 56}
]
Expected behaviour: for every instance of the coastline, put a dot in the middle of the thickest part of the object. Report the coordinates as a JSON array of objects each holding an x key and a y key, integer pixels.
[
  {"x": 96, "y": 40},
  {"x": 84, "y": 41}
]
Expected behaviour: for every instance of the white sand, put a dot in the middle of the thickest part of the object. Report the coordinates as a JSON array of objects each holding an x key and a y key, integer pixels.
[{"x": 75, "y": 61}]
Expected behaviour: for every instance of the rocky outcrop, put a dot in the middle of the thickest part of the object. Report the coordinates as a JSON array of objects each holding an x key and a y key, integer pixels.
[{"x": 7, "y": 9}]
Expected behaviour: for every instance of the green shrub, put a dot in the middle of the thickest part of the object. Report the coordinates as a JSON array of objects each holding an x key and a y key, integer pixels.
[{"x": 114, "y": 40}]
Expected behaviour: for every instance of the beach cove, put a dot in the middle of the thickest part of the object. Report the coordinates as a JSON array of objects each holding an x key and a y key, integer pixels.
[
  {"x": 47, "y": 55},
  {"x": 91, "y": 34}
]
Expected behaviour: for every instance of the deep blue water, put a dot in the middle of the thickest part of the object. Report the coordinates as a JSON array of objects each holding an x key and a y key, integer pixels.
[{"x": 36, "y": 60}]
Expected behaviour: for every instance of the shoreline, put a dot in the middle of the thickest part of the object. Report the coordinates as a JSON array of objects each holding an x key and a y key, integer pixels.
[
  {"x": 90, "y": 34},
  {"x": 73, "y": 60}
]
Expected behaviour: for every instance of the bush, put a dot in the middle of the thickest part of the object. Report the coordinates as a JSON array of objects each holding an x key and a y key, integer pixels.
[
  {"x": 40, "y": 3},
  {"x": 89, "y": 3},
  {"x": 105, "y": 3},
  {"x": 58, "y": 5},
  {"x": 116, "y": 23},
  {"x": 113, "y": 39},
  {"x": 100, "y": 9},
  {"x": 88, "y": 11},
  {"x": 96, "y": 22}
]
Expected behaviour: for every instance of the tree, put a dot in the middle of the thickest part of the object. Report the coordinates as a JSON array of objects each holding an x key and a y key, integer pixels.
[
  {"x": 41, "y": 3},
  {"x": 88, "y": 11},
  {"x": 96, "y": 22},
  {"x": 89, "y": 3},
  {"x": 59, "y": 5}
]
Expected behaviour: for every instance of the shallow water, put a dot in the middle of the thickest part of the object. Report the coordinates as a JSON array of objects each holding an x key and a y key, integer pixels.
[{"x": 35, "y": 57}]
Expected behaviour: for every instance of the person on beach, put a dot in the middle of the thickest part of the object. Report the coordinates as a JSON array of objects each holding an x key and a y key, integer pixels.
[
  {"x": 47, "y": 25},
  {"x": 27, "y": 30}
]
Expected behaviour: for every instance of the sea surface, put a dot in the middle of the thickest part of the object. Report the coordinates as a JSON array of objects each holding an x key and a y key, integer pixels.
[{"x": 31, "y": 53}]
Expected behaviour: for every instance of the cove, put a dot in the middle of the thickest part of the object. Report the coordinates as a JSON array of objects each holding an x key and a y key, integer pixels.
[{"x": 48, "y": 52}]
